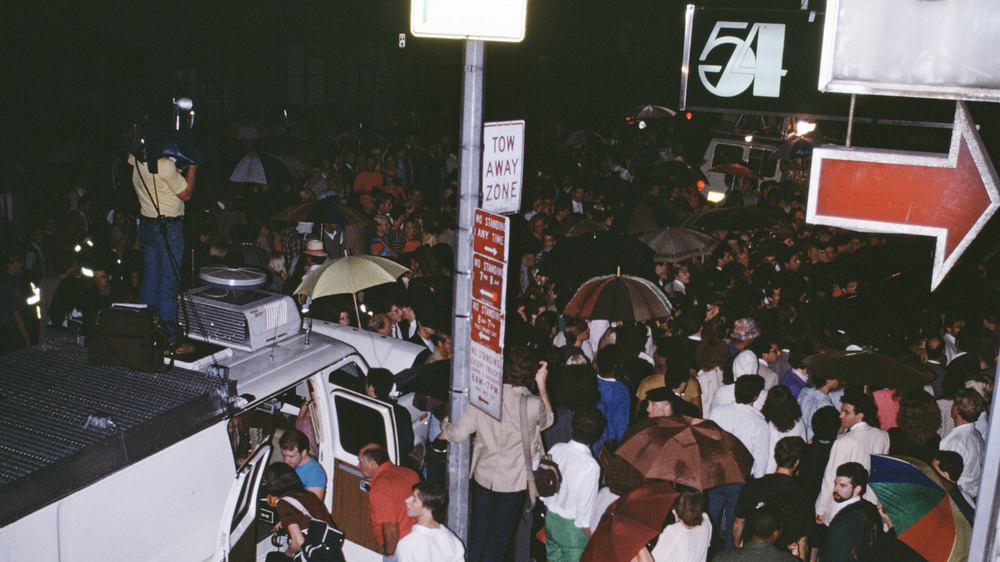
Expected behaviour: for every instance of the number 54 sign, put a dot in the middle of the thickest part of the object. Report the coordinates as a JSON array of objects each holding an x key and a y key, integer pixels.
[
  {"x": 748, "y": 60},
  {"x": 744, "y": 67}
]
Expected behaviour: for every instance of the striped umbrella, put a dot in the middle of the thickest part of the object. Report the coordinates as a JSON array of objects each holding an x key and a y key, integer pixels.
[
  {"x": 928, "y": 512},
  {"x": 619, "y": 298}
]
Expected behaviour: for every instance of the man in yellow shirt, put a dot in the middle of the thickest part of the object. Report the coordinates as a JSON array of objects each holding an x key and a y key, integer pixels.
[{"x": 162, "y": 194}]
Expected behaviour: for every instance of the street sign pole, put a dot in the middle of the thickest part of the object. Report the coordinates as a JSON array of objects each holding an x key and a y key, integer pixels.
[{"x": 471, "y": 140}]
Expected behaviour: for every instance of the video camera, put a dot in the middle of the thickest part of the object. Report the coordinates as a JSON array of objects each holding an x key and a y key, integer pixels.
[{"x": 150, "y": 142}]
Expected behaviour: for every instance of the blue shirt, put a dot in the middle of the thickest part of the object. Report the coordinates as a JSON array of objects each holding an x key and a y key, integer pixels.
[
  {"x": 811, "y": 400},
  {"x": 793, "y": 382},
  {"x": 312, "y": 474},
  {"x": 615, "y": 403}
]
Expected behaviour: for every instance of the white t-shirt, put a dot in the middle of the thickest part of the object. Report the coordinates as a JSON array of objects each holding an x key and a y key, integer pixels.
[
  {"x": 677, "y": 543},
  {"x": 424, "y": 544}
]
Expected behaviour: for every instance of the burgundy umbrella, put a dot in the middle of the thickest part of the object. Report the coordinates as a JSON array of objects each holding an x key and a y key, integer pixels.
[
  {"x": 630, "y": 523},
  {"x": 690, "y": 451},
  {"x": 735, "y": 169}
]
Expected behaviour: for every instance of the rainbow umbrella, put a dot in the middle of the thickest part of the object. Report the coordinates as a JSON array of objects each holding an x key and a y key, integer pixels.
[{"x": 928, "y": 512}]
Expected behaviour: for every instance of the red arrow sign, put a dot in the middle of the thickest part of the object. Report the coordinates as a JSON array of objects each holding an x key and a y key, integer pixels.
[{"x": 948, "y": 196}]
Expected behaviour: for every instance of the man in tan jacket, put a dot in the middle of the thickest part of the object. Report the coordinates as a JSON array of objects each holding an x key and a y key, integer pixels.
[{"x": 499, "y": 474}]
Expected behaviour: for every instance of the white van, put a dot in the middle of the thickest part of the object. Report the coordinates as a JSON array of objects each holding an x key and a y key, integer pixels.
[
  {"x": 737, "y": 150},
  {"x": 107, "y": 464}
]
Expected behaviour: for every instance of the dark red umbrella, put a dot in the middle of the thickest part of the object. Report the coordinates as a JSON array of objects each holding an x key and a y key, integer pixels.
[
  {"x": 735, "y": 169},
  {"x": 630, "y": 523},
  {"x": 690, "y": 451}
]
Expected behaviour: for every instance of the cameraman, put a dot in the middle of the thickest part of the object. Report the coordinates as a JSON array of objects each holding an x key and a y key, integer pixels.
[{"x": 162, "y": 194}]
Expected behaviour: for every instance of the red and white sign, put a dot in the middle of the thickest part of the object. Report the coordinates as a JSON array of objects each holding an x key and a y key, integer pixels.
[
  {"x": 948, "y": 196},
  {"x": 485, "y": 379},
  {"x": 489, "y": 287},
  {"x": 503, "y": 166},
  {"x": 487, "y": 326},
  {"x": 491, "y": 233}
]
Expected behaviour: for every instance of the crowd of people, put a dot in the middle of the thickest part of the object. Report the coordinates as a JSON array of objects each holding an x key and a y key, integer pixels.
[{"x": 744, "y": 316}]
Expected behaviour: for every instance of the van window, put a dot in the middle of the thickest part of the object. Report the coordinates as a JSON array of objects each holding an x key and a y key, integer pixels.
[
  {"x": 358, "y": 424},
  {"x": 727, "y": 154},
  {"x": 761, "y": 163},
  {"x": 350, "y": 376}
]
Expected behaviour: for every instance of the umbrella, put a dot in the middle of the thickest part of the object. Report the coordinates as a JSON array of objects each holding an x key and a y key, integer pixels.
[
  {"x": 676, "y": 243},
  {"x": 619, "y": 298},
  {"x": 248, "y": 130},
  {"x": 575, "y": 260},
  {"x": 263, "y": 167},
  {"x": 735, "y": 218},
  {"x": 928, "y": 513},
  {"x": 349, "y": 274},
  {"x": 689, "y": 451},
  {"x": 795, "y": 147},
  {"x": 650, "y": 112},
  {"x": 675, "y": 172},
  {"x": 735, "y": 169},
  {"x": 869, "y": 367},
  {"x": 583, "y": 137},
  {"x": 324, "y": 211},
  {"x": 630, "y": 523},
  {"x": 570, "y": 229}
]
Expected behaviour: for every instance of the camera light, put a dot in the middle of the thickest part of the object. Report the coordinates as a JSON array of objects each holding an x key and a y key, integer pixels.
[
  {"x": 748, "y": 138},
  {"x": 642, "y": 125},
  {"x": 715, "y": 196},
  {"x": 87, "y": 272},
  {"x": 804, "y": 127}
]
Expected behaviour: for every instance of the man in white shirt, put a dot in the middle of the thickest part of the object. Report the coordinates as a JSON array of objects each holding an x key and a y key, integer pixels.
[
  {"x": 861, "y": 439},
  {"x": 429, "y": 540},
  {"x": 748, "y": 425},
  {"x": 966, "y": 440},
  {"x": 570, "y": 509},
  {"x": 745, "y": 422}
]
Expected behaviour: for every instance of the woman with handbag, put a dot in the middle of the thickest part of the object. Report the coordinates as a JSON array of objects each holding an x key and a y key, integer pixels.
[
  {"x": 499, "y": 471},
  {"x": 298, "y": 514}
]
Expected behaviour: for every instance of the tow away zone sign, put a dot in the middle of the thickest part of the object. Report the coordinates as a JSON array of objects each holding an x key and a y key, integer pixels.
[{"x": 503, "y": 166}]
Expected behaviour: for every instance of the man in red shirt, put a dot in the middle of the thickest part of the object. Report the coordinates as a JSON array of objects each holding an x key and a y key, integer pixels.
[{"x": 390, "y": 485}]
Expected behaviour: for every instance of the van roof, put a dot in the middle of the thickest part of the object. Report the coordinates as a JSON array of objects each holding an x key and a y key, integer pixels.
[{"x": 49, "y": 394}]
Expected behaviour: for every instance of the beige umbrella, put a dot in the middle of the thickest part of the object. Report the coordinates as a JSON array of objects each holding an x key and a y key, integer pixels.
[
  {"x": 675, "y": 244},
  {"x": 350, "y": 274}
]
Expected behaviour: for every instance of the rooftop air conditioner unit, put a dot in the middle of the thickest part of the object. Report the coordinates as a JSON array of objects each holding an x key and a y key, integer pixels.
[{"x": 242, "y": 319}]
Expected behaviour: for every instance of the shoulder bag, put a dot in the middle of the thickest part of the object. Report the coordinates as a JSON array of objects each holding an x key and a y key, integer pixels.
[{"x": 545, "y": 480}]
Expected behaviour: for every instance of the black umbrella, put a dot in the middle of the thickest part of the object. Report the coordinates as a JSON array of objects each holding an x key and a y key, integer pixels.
[
  {"x": 575, "y": 260},
  {"x": 736, "y": 218},
  {"x": 869, "y": 367},
  {"x": 430, "y": 378},
  {"x": 795, "y": 147}
]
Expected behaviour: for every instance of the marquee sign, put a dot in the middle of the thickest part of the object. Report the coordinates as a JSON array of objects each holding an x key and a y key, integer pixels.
[{"x": 754, "y": 61}]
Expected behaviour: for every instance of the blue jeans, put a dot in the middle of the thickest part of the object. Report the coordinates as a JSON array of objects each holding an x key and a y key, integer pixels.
[
  {"x": 494, "y": 515},
  {"x": 160, "y": 282},
  {"x": 721, "y": 507}
]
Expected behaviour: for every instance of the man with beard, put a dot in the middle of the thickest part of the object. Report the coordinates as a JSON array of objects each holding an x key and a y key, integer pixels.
[{"x": 858, "y": 524}]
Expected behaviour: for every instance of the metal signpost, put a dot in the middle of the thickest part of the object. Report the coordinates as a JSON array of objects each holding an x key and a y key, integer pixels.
[{"x": 475, "y": 22}]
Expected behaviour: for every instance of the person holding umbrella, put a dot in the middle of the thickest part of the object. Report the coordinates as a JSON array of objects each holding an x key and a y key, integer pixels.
[{"x": 688, "y": 538}]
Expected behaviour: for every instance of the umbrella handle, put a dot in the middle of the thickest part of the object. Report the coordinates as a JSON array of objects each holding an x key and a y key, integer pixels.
[{"x": 356, "y": 313}]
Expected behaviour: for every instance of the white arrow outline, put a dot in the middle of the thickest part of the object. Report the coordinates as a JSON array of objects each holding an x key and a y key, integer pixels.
[{"x": 963, "y": 128}]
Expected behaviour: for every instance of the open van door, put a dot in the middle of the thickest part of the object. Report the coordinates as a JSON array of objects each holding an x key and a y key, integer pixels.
[
  {"x": 237, "y": 537},
  {"x": 357, "y": 421}
]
